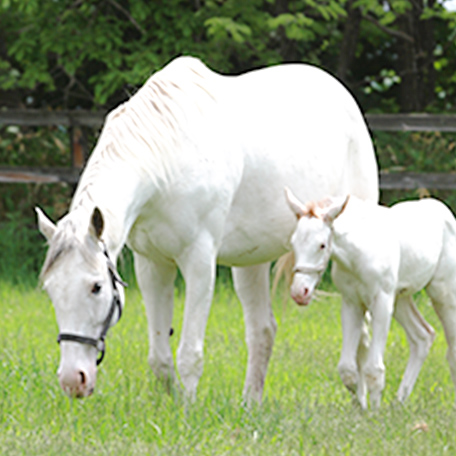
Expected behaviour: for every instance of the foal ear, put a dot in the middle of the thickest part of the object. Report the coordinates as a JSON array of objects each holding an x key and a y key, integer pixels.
[
  {"x": 46, "y": 227},
  {"x": 295, "y": 205},
  {"x": 96, "y": 223},
  {"x": 335, "y": 209}
]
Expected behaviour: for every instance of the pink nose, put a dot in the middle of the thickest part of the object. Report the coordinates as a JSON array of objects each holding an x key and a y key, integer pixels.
[
  {"x": 302, "y": 297},
  {"x": 75, "y": 383}
]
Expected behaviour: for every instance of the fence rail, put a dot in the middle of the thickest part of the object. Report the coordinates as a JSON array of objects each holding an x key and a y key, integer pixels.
[
  {"x": 412, "y": 122},
  {"x": 75, "y": 120},
  {"x": 45, "y": 118},
  {"x": 95, "y": 119}
]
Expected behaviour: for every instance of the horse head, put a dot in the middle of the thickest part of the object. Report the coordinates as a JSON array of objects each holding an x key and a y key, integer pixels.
[
  {"x": 86, "y": 292},
  {"x": 311, "y": 242}
]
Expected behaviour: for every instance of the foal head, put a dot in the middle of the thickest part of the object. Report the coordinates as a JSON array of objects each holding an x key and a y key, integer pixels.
[
  {"x": 84, "y": 288},
  {"x": 311, "y": 243}
]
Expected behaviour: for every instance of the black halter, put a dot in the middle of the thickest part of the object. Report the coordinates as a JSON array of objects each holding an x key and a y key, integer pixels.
[{"x": 99, "y": 343}]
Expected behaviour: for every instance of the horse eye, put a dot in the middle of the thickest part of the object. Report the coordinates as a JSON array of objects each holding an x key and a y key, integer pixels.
[
  {"x": 322, "y": 246},
  {"x": 96, "y": 288}
]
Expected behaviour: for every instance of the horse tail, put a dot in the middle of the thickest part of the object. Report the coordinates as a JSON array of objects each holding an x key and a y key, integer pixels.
[{"x": 283, "y": 268}]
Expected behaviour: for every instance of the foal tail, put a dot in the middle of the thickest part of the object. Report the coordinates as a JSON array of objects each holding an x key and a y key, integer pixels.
[{"x": 283, "y": 268}]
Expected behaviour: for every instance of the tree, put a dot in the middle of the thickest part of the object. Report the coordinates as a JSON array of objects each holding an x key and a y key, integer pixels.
[
  {"x": 406, "y": 40},
  {"x": 90, "y": 53},
  {"x": 95, "y": 53}
]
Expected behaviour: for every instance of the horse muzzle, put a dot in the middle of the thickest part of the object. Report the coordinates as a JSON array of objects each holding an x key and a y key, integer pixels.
[
  {"x": 77, "y": 379},
  {"x": 301, "y": 299},
  {"x": 76, "y": 383},
  {"x": 301, "y": 293}
]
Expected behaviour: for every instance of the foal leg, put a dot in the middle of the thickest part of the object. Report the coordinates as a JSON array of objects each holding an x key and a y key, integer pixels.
[
  {"x": 252, "y": 287},
  {"x": 443, "y": 298},
  {"x": 353, "y": 353},
  {"x": 156, "y": 282},
  {"x": 374, "y": 369},
  {"x": 420, "y": 336}
]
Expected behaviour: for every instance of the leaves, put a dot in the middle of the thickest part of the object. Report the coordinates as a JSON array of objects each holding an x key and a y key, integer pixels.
[
  {"x": 297, "y": 26},
  {"x": 220, "y": 28},
  {"x": 93, "y": 53}
]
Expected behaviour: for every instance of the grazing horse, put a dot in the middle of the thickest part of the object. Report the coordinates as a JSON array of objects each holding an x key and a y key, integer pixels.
[
  {"x": 190, "y": 173},
  {"x": 381, "y": 256}
]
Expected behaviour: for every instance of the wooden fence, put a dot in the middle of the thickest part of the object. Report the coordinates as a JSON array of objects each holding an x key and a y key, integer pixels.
[{"x": 76, "y": 121}]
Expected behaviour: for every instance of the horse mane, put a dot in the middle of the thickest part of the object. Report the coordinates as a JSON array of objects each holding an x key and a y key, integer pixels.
[{"x": 148, "y": 131}]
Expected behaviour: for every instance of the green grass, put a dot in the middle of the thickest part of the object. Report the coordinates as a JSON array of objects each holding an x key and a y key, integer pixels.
[{"x": 306, "y": 410}]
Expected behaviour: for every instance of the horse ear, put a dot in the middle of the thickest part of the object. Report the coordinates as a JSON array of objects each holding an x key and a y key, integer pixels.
[
  {"x": 295, "y": 205},
  {"x": 335, "y": 209},
  {"x": 46, "y": 227},
  {"x": 96, "y": 223}
]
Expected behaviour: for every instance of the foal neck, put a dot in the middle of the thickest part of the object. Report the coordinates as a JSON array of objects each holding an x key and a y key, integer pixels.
[{"x": 351, "y": 231}]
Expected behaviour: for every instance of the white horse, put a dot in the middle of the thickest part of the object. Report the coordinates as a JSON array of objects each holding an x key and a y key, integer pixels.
[
  {"x": 190, "y": 172},
  {"x": 381, "y": 256}
]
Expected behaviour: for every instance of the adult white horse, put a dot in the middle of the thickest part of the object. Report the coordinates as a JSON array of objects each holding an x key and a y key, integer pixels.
[
  {"x": 381, "y": 256},
  {"x": 190, "y": 172}
]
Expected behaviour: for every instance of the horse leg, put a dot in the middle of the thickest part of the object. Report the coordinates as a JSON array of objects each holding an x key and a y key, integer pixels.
[
  {"x": 443, "y": 297},
  {"x": 198, "y": 265},
  {"x": 352, "y": 354},
  {"x": 420, "y": 336},
  {"x": 374, "y": 369},
  {"x": 156, "y": 282},
  {"x": 252, "y": 287}
]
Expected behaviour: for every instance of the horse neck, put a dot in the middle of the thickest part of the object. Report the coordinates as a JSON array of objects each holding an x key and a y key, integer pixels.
[
  {"x": 119, "y": 192},
  {"x": 344, "y": 248}
]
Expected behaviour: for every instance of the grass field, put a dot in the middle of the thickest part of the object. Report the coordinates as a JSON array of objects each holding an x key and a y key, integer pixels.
[{"x": 306, "y": 410}]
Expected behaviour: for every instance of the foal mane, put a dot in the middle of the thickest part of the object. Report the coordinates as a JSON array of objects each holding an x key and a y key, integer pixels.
[{"x": 313, "y": 208}]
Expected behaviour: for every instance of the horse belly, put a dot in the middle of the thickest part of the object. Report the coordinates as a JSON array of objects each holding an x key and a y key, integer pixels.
[{"x": 260, "y": 223}]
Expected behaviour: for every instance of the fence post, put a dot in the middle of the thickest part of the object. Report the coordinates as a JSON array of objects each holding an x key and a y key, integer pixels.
[{"x": 78, "y": 156}]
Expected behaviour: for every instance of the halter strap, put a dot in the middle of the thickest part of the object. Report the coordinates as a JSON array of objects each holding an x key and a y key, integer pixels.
[
  {"x": 310, "y": 269},
  {"x": 99, "y": 343}
]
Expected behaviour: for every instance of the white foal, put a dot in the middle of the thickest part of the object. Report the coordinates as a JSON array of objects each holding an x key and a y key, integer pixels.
[{"x": 381, "y": 256}]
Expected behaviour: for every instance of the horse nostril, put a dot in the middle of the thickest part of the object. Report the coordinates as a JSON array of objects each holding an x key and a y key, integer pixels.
[
  {"x": 305, "y": 291},
  {"x": 82, "y": 377}
]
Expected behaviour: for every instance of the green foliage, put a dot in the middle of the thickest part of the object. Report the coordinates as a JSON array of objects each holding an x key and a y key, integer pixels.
[
  {"x": 418, "y": 152},
  {"x": 34, "y": 146},
  {"x": 220, "y": 28},
  {"x": 91, "y": 48},
  {"x": 22, "y": 247},
  {"x": 383, "y": 83},
  {"x": 92, "y": 54}
]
